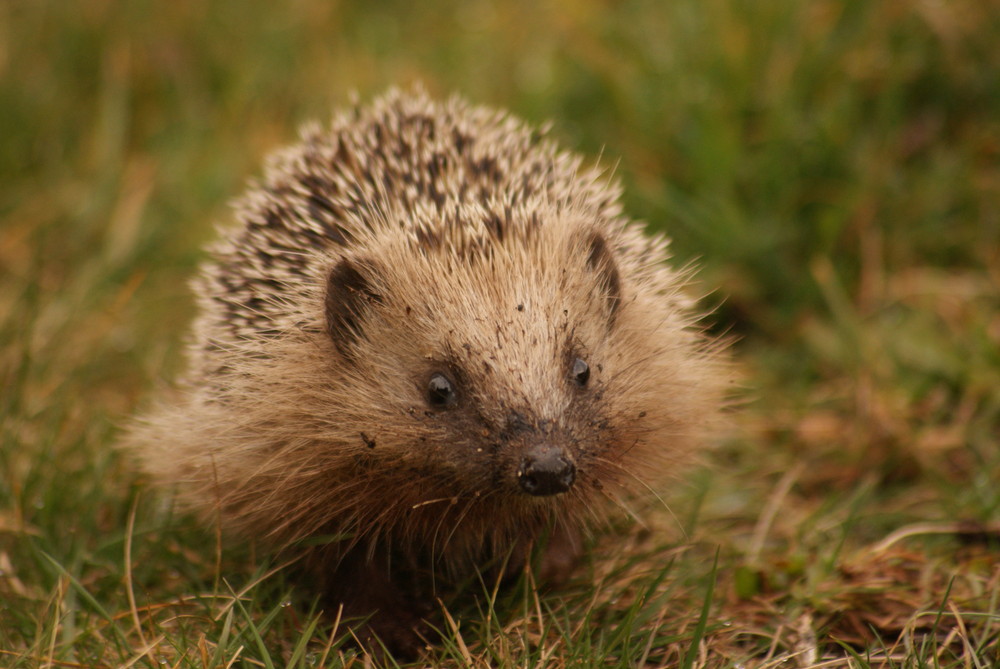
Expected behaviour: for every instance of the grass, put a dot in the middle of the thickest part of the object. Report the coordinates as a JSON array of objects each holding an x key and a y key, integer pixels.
[{"x": 833, "y": 166}]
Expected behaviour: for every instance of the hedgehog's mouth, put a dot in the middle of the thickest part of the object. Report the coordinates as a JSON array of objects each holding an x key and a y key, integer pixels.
[{"x": 546, "y": 470}]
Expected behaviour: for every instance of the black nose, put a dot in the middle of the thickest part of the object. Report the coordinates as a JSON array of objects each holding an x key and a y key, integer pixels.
[{"x": 546, "y": 472}]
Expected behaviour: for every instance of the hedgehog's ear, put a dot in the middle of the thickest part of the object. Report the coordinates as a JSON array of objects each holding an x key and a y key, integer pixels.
[
  {"x": 349, "y": 293},
  {"x": 602, "y": 264}
]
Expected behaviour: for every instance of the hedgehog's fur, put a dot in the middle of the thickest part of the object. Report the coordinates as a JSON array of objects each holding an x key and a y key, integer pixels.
[{"x": 412, "y": 238}]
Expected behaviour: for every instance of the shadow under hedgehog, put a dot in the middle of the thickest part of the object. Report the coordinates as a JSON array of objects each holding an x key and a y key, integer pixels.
[{"x": 433, "y": 335}]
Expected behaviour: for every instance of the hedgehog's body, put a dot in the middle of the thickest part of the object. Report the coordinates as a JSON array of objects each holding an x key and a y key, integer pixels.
[{"x": 433, "y": 336}]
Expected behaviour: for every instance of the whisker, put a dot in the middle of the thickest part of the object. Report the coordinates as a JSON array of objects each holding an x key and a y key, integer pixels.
[{"x": 648, "y": 489}]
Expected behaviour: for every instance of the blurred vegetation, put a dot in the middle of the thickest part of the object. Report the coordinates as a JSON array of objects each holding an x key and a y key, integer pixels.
[{"x": 833, "y": 167}]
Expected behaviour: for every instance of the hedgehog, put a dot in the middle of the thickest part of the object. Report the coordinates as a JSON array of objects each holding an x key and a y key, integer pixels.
[{"x": 431, "y": 341}]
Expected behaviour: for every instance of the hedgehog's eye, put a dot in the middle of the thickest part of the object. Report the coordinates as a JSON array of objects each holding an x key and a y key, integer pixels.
[
  {"x": 441, "y": 391},
  {"x": 581, "y": 372}
]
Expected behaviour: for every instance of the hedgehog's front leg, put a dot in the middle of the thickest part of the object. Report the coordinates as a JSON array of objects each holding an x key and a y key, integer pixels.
[
  {"x": 382, "y": 615},
  {"x": 556, "y": 556}
]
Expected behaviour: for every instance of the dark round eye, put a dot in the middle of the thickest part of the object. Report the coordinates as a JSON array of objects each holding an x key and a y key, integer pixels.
[
  {"x": 440, "y": 391},
  {"x": 581, "y": 372}
]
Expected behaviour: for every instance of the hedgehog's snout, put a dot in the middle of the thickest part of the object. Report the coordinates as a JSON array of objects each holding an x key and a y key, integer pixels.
[{"x": 546, "y": 471}]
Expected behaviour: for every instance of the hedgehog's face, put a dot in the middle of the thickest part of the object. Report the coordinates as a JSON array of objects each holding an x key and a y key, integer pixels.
[{"x": 497, "y": 374}]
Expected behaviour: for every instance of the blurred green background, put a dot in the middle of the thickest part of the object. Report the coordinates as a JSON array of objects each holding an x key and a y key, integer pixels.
[
  {"x": 832, "y": 166},
  {"x": 764, "y": 137}
]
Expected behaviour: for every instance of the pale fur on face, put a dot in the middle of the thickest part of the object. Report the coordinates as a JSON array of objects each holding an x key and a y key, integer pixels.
[{"x": 462, "y": 243}]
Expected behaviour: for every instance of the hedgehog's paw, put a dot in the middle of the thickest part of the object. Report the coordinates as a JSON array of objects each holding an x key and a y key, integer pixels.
[{"x": 400, "y": 632}]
